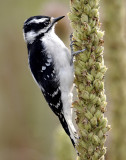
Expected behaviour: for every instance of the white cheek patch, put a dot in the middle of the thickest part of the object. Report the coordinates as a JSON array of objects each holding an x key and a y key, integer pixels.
[{"x": 30, "y": 36}]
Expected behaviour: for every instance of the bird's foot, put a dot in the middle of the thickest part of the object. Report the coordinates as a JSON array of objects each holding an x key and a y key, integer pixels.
[{"x": 72, "y": 52}]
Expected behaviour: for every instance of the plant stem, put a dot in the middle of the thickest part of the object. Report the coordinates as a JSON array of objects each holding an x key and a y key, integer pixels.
[{"x": 89, "y": 76}]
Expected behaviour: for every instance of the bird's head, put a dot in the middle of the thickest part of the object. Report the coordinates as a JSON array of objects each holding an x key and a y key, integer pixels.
[{"x": 37, "y": 26}]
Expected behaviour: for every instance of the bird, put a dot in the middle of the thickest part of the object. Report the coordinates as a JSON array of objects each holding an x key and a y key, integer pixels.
[{"x": 51, "y": 65}]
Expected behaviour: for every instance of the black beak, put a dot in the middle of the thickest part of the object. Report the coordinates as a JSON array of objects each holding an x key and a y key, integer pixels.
[
  {"x": 57, "y": 19},
  {"x": 54, "y": 20}
]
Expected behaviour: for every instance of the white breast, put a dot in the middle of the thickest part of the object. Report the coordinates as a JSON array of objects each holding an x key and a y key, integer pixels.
[
  {"x": 61, "y": 56},
  {"x": 56, "y": 48}
]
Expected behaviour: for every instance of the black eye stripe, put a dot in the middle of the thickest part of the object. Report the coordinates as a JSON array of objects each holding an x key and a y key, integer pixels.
[{"x": 36, "y": 26}]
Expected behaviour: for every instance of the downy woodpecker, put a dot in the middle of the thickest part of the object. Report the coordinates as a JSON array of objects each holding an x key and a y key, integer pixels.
[{"x": 51, "y": 66}]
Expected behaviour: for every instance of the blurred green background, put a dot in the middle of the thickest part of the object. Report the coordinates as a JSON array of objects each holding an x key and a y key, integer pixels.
[
  {"x": 27, "y": 125},
  {"x": 26, "y": 122}
]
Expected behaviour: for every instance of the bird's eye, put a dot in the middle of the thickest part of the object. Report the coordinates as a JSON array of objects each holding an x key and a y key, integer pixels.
[{"x": 46, "y": 23}]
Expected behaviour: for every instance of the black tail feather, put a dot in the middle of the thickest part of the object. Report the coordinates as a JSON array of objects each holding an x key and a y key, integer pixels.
[{"x": 65, "y": 126}]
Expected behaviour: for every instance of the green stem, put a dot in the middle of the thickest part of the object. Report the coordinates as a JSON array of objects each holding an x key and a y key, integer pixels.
[{"x": 89, "y": 76}]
